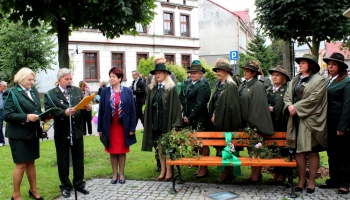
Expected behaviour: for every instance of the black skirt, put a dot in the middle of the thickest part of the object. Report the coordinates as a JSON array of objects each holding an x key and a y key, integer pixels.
[{"x": 24, "y": 150}]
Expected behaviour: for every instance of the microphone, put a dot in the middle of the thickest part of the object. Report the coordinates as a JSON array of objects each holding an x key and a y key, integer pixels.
[{"x": 68, "y": 88}]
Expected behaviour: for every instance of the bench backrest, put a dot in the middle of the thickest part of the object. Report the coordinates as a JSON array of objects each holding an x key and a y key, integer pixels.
[{"x": 239, "y": 139}]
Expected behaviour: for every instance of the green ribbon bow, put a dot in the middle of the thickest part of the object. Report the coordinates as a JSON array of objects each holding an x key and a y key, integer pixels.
[{"x": 228, "y": 156}]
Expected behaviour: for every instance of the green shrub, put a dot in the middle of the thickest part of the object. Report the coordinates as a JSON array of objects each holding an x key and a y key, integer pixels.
[
  {"x": 145, "y": 66},
  {"x": 178, "y": 70},
  {"x": 209, "y": 73}
]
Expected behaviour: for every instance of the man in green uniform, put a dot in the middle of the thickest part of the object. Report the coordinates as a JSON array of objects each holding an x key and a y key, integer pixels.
[{"x": 58, "y": 97}]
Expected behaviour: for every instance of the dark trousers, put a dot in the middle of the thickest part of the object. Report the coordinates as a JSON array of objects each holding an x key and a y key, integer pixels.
[
  {"x": 338, "y": 158},
  {"x": 62, "y": 153},
  {"x": 86, "y": 121},
  {"x": 2, "y": 139},
  {"x": 139, "y": 115}
]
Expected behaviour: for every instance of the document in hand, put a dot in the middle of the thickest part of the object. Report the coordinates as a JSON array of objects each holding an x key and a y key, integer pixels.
[
  {"x": 48, "y": 113},
  {"x": 85, "y": 101}
]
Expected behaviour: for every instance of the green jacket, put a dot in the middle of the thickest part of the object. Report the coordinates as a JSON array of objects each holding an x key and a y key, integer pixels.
[
  {"x": 227, "y": 115},
  {"x": 278, "y": 118},
  {"x": 15, "y": 114},
  {"x": 194, "y": 99},
  {"x": 312, "y": 112},
  {"x": 171, "y": 114},
  {"x": 339, "y": 104},
  {"x": 255, "y": 111},
  {"x": 54, "y": 98}
]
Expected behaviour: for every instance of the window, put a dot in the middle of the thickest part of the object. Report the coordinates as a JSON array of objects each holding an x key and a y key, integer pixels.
[
  {"x": 140, "y": 28},
  {"x": 186, "y": 61},
  {"x": 91, "y": 68},
  {"x": 242, "y": 39},
  {"x": 168, "y": 24},
  {"x": 139, "y": 56},
  {"x": 184, "y": 25},
  {"x": 170, "y": 58},
  {"x": 118, "y": 60}
]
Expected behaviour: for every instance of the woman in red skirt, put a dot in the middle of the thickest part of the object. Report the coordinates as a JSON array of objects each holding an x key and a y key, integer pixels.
[{"x": 116, "y": 123}]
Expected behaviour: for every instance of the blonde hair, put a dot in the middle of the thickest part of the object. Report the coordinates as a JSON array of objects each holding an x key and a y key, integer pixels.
[
  {"x": 22, "y": 75},
  {"x": 82, "y": 84},
  {"x": 229, "y": 78},
  {"x": 156, "y": 60},
  {"x": 169, "y": 83},
  {"x": 220, "y": 60}
]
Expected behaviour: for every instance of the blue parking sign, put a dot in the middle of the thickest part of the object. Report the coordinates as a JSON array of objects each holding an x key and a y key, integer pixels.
[{"x": 233, "y": 55}]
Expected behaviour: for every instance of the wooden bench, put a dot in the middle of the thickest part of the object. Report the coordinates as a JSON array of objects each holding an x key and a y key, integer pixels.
[{"x": 240, "y": 139}]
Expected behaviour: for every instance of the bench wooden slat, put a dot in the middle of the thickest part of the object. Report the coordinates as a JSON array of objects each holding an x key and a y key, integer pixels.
[
  {"x": 277, "y": 135},
  {"x": 242, "y": 143},
  {"x": 245, "y": 161}
]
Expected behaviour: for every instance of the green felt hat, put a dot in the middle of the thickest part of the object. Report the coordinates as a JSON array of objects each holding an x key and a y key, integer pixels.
[
  {"x": 195, "y": 66},
  {"x": 159, "y": 67},
  {"x": 224, "y": 66}
]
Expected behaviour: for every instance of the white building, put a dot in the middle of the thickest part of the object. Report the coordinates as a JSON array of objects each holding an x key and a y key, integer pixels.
[{"x": 222, "y": 30}]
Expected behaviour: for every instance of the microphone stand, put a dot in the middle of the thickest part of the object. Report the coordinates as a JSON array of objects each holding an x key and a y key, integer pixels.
[{"x": 71, "y": 135}]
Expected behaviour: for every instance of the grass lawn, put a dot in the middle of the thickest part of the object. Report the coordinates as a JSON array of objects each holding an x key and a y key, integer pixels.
[{"x": 139, "y": 166}]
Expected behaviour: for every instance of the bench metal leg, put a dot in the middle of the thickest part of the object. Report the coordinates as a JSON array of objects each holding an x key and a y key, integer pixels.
[
  {"x": 173, "y": 190},
  {"x": 290, "y": 180}
]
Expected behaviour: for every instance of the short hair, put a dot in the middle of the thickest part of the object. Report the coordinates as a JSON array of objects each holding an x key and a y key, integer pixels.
[
  {"x": 135, "y": 71},
  {"x": 117, "y": 71},
  {"x": 62, "y": 72},
  {"x": 156, "y": 59},
  {"x": 22, "y": 75},
  {"x": 2, "y": 82},
  {"x": 82, "y": 84},
  {"x": 105, "y": 83},
  {"x": 220, "y": 60}
]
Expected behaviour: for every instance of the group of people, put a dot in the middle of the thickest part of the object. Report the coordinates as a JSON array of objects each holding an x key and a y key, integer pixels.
[{"x": 313, "y": 111}]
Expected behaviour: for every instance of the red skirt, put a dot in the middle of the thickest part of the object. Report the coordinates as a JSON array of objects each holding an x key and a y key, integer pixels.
[{"x": 117, "y": 138}]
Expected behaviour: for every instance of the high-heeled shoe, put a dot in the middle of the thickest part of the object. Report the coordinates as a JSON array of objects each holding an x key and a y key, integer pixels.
[
  {"x": 205, "y": 174},
  {"x": 309, "y": 190},
  {"x": 255, "y": 182},
  {"x": 343, "y": 191},
  {"x": 168, "y": 178},
  {"x": 300, "y": 189},
  {"x": 31, "y": 195},
  {"x": 114, "y": 181}
]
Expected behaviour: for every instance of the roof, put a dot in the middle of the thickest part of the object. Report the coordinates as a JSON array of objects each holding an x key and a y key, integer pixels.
[
  {"x": 225, "y": 8},
  {"x": 244, "y": 15},
  {"x": 335, "y": 47}
]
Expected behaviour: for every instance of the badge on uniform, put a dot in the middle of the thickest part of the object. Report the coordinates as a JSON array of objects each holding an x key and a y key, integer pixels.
[{"x": 61, "y": 101}]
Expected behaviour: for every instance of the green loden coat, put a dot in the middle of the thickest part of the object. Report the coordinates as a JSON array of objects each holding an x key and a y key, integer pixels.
[
  {"x": 194, "y": 99},
  {"x": 171, "y": 114},
  {"x": 280, "y": 122},
  {"x": 255, "y": 111},
  {"x": 312, "y": 111},
  {"x": 227, "y": 115}
]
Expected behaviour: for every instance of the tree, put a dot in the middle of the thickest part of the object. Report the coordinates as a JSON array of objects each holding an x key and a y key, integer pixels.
[
  {"x": 243, "y": 58},
  {"x": 24, "y": 47},
  {"x": 112, "y": 18},
  {"x": 306, "y": 21},
  {"x": 277, "y": 52},
  {"x": 257, "y": 49}
]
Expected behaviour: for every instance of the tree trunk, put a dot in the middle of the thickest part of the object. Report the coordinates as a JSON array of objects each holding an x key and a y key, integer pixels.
[
  {"x": 62, "y": 35},
  {"x": 315, "y": 47},
  {"x": 287, "y": 58}
]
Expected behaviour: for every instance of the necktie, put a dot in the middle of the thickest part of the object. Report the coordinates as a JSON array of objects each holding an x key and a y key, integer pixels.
[
  {"x": 65, "y": 95},
  {"x": 159, "y": 86},
  {"x": 28, "y": 94}
]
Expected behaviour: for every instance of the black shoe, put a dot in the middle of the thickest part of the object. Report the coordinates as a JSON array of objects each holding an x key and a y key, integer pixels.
[
  {"x": 66, "y": 193},
  {"x": 342, "y": 191},
  {"x": 206, "y": 174},
  {"x": 300, "y": 189},
  {"x": 309, "y": 190},
  {"x": 114, "y": 181},
  {"x": 31, "y": 195},
  {"x": 83, "y": 191},
  {"x": 121, "y": 181},
  {"x": 255, "y": 182}
]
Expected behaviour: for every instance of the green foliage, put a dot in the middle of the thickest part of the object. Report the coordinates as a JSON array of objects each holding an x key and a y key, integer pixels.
[
  {"x": 243, "y": 58},
  {"x": 277, "y": 52},
  {"x": 209, "y": 73},
  {"x": 306, "y": 21},
  {"x": 184, "y": 142},
  {"x": 258, "y": 147},
  {"x": 112, "y": 18},
  {"x": 145, "y": 66},
  {"x": 258, "y": 49},
  {"x": 178, "y": 70},
  {"x": 24, "y": 47}
]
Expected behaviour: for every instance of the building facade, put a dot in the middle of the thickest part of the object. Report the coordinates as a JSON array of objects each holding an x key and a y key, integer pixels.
[
  {"x": 222, "y": 31},
  {"x": 173, "y": 33}
]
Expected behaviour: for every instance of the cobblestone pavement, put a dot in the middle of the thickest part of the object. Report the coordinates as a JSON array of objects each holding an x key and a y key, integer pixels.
[{"x": 102, "y": 189}]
